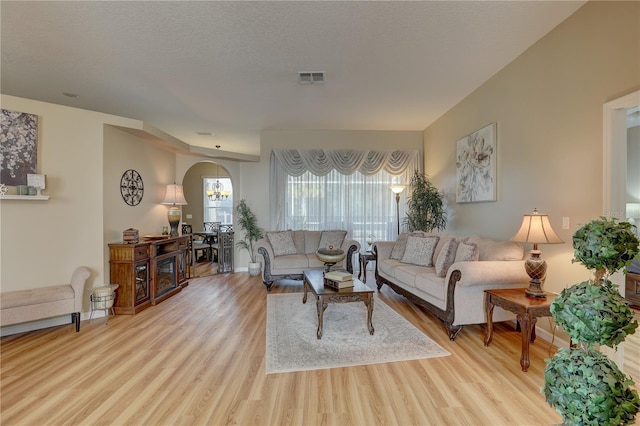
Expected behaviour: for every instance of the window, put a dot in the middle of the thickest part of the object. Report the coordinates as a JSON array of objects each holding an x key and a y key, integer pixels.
[
  {"x": 217, "y": 211},
  {"x": 361, "y": 205},
  {"x": 340, "y": 189}
]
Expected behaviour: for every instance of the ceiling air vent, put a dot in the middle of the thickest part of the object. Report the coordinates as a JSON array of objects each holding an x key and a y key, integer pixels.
[{"x": 311, "y": 77}]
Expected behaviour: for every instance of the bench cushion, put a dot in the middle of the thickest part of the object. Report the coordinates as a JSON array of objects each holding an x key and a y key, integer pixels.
[{"x": 19, "y": 298}]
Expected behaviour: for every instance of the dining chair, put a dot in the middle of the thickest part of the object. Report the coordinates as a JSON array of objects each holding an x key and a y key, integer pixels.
[
  {"x": 212, "y": 226},
  {"x": 212, "y": 240},
  {"x": 226, "y": 228},
  {"x": 197, "y": 244}
]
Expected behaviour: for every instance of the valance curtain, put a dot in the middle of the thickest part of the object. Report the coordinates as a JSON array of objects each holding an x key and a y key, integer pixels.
[
  {"x": 392, "y": 166},
  {"x": 320, "y": 162}
]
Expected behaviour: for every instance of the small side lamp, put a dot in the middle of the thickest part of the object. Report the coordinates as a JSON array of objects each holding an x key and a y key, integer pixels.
[
  {"x": 397, "y": 189},
  {"x": 536, "y": 229},
  {"x": 174, "y": 197}
]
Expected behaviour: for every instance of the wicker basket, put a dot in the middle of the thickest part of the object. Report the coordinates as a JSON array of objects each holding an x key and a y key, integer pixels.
[{"x": 102, "y": 299}]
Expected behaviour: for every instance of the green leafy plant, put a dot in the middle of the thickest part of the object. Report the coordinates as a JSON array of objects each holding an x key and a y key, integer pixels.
[
  {"x": 582, "y": 384},
  {"x": 589, "y": 388},
  {"x": 425, "y": 209},
  {"x": 605, "y": 245},
  {"x": 592, "y": 314},
  {"x": 248, "y": 222}
]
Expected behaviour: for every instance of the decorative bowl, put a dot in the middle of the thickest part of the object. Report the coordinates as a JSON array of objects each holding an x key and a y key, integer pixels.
[{"x": 330, "y": 256}]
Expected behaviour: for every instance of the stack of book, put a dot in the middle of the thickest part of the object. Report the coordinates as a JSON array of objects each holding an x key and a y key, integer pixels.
[
  {"x": 338, "y": 280},
  {"x": 130, "y": 236}
]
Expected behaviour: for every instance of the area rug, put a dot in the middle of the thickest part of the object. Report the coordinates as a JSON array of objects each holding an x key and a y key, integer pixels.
[{"x": 292, "y": 344}]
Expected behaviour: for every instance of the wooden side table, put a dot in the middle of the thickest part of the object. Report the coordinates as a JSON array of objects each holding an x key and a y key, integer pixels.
[
  {"x": 364, "y": 258},
  {"x": 527, "y": 312}
]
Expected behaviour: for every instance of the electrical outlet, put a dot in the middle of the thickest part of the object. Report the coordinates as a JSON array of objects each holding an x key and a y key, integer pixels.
[
  {"x": 565, "y": 223},
  {"x": 189, "y": 216}
]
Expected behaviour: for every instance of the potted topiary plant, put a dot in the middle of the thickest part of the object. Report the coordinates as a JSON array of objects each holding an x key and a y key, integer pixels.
[
  {"x": 581, "y": 383},
  {"x": 425, "y": 208},
  {"x": 248, "y": 222}
]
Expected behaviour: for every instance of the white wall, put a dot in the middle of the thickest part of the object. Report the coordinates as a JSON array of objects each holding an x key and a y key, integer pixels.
[
  {"x": 548, "y": 107},
  {"x": 633, "y": 165},
  {"x": 123, "y": 151},
  {"x": 42, "y": 242}
]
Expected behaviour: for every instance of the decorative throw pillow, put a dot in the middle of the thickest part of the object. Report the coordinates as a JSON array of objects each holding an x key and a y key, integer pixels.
[
  {"x": 398, "y": 248},
  {"x": 332, "y": 238},
  {"x": 446, "y": 257},
  {"x": 281, "y": 243},
  {"x": 467, "y": 252},
  {"x": 419, "y": 250}
]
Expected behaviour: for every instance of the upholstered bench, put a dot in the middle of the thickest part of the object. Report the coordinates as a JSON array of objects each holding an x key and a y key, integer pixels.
[{"x": 46, "y": 302}]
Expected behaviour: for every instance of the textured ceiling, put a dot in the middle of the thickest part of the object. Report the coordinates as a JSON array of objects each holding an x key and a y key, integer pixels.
[{"x": 231, "y": 67}]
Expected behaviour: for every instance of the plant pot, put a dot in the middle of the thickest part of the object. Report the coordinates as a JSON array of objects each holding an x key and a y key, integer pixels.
[{"x": 255, "y": 268}]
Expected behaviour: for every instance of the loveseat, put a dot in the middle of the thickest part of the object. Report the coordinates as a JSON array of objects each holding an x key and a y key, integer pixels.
[
  {"x": 286, "y": 254},
  {"x": 448, "y": 275},
  {"x": 45, "y": 302}
]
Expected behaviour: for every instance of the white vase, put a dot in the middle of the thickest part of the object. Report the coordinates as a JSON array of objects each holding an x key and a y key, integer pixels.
[{"x": 254, "y": 268}]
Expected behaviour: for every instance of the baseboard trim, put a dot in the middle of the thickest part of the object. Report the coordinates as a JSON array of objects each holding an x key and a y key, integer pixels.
[
  {"x": 549, "y": 337},
  {"x": 24, "y": 327}
]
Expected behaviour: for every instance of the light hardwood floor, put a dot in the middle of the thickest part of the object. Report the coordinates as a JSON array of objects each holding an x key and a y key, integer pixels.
[{"x": 199, "y": 358}]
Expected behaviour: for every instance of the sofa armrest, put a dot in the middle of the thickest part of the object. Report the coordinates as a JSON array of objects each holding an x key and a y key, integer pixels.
[
  {"x": 263, "y": 248},
  {"x": 263, "y": 242},
  {"x": 350, "y": 247},
  {"x": 508, "y": 272},
  {"x": 382, "y": 249},
  {"x": 348, "y": 244},
  {"x": 78, "y": 280}
]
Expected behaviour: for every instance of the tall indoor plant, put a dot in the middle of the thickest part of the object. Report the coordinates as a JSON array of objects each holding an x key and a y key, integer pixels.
[
  {"x": 425, "y": 207},
  {"x": 248, "y": 223},
  {"x": 581, "y": 383}
]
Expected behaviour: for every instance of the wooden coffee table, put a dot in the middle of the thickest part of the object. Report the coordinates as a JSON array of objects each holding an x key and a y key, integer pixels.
[{"x": 314, "y": 282}]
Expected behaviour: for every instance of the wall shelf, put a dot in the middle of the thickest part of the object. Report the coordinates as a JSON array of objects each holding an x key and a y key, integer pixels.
[{"x": 25, "y": 197}]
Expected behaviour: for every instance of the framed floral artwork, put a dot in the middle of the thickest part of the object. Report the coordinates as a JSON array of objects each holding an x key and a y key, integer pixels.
[
  {"x": 476, "y": 166},
  {"x": 18, "y": 147}
]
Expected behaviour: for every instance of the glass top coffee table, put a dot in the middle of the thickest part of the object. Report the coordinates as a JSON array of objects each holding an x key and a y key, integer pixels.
[{"x": 314, "y": 282}]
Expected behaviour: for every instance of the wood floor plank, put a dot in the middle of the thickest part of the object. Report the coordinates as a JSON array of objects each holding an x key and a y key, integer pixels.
[{"x": 198, "y": 358}]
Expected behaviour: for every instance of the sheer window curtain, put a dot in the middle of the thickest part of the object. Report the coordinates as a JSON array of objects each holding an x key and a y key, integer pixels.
[{"x": 340, "y": 189}]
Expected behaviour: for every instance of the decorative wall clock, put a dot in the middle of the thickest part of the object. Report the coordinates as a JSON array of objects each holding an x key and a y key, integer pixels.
[{"x": 131, "y": 187}]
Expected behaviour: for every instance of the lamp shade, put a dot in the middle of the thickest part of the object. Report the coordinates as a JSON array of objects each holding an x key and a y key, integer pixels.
[
  {"x": 174, "y": 195},
  {"x": 536, "y": 229},
  {"x": 397, "y": 188}
]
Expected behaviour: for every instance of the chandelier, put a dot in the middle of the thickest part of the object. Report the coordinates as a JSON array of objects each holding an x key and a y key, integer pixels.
[{"x": 217, "y": 192}]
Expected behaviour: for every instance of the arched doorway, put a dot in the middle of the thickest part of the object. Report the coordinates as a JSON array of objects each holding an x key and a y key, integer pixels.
[
  {"x": 208, "y": 189},
  {"x": 202, "y": 207}
]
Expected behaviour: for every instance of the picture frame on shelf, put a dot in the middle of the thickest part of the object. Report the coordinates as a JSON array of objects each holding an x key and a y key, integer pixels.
[{"x": 18, "y": 146}]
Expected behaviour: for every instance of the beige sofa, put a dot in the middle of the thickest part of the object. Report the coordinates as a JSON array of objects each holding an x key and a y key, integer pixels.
[
  {"x": 286, "y": 254},
  {"x": 448, "y": 275},
  {"x": 46, "y": 302}
]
